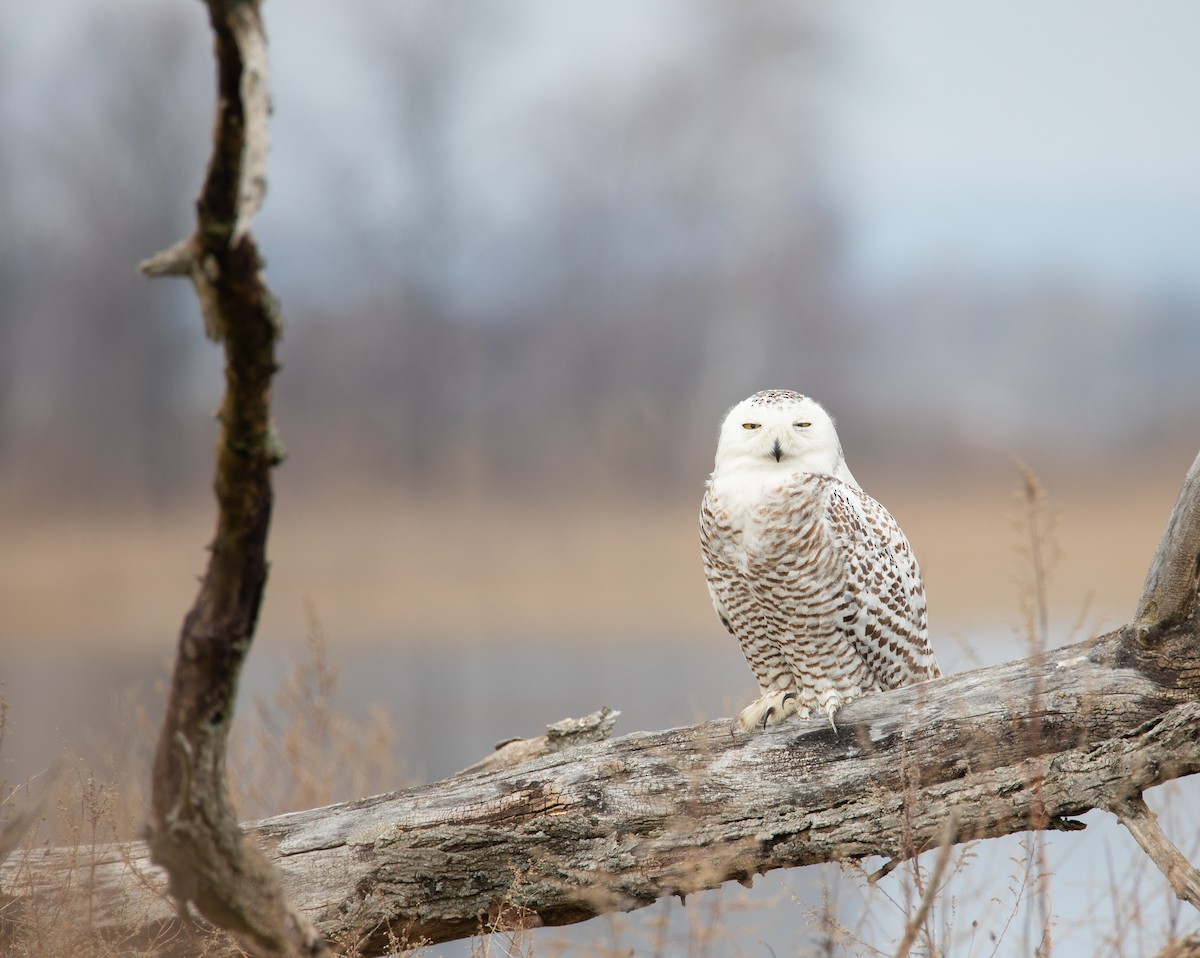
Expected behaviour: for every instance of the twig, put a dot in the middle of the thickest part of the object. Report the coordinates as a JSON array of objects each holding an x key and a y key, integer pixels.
[
  {"x": 911, "y": 930},
  {"x": 1143, "y": 825},
  {"x": 20, "y": 821},
  {"x": 1170, "y": 590},
  {"x": 565, "y": 733},
  {"x": 886, "y": 869},
  {"x": 177, "y": 260},
  {"x": 1186, "y": 947}
]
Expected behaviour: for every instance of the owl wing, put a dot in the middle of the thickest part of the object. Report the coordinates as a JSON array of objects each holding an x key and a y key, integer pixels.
[
  {"x": 717, "y": 567},
  {"x": 883, "y": 583}
]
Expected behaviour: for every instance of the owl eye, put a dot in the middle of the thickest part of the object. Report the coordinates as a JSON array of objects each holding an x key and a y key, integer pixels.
[
  {"x": 803, "y": 425},
  {"x": 751, "y": 425}
]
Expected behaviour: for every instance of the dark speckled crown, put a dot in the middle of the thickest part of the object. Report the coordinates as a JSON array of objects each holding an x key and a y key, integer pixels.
[{"x": 775, "y": 397}]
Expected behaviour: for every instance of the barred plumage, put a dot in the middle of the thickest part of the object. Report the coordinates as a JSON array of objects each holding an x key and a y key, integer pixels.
[{"x": 813, "y": 576}]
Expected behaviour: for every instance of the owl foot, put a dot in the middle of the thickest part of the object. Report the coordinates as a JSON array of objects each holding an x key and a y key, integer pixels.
[
  {"x": 830, "y": 702},
  {"x": 770, "y": 709}
]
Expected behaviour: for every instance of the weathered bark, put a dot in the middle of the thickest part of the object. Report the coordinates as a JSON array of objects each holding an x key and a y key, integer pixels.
[
  {"x": 193, "y": 830},
  {"x": 615, "y": 825},
  {"x": 1170, "y": 590}
]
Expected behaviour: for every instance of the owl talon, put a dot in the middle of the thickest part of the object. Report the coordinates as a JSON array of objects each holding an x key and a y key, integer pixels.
[{"x": 770, "y": 709}]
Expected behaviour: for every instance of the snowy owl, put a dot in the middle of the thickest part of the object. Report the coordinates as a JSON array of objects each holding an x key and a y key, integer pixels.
[{"x": 811, "y": 574}]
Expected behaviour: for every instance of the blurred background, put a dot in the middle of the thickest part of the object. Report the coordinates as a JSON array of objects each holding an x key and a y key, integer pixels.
[{"x": 528, "y": 254}]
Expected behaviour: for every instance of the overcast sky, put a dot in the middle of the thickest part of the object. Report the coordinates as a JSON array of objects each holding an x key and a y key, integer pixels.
[
  {"x": 1021, "y": 136},
  {"x": 1012, "y": 139}
]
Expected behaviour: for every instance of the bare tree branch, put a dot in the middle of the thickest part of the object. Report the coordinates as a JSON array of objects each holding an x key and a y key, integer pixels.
[
  {"x": 1170, "y": 590},
  {"x": 559, "y": 735},
  {"x": 1143, "y": 826},
  {"x": 193, "y": 831}
]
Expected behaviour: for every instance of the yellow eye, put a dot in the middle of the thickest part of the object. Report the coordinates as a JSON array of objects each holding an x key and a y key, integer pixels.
[
  {"x": 803, "y": 425},
  {"x": 751, "y": 425}
]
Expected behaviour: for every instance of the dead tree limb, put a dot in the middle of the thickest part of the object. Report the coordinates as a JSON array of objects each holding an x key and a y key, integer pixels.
[
  {"x": 1143, "y": 826},
  {"x": 193, "y": 831},
  {"x": 1170, "y": 591},
  {"x": 615, "y": 825}
]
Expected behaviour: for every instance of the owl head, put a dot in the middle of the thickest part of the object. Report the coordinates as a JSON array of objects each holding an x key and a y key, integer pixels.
[{"x": 783, "y": 432}]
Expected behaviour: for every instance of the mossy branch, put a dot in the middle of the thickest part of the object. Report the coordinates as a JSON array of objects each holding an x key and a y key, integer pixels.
[{"x": 193, "y": 832}]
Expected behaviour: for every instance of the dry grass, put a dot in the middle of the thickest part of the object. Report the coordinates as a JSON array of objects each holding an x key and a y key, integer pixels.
[
  {"x": 300, "y": 751},
  {"x": 385, "y": 565},
  {"x": 292, "y": 750}
]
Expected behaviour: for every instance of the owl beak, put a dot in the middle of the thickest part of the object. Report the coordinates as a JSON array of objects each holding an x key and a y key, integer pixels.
[{"x": 777, "y": 451}]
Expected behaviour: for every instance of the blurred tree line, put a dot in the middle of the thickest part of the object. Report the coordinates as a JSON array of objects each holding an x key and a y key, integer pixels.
[{"x": 516, "y": 273}]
